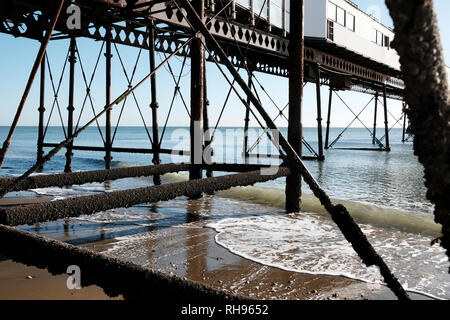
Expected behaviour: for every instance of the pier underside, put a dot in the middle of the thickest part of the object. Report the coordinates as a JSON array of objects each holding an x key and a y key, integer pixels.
[{"x": 202, "y": 32}]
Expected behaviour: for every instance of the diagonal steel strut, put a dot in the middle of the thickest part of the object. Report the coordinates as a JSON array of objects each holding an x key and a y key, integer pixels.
[{"x": 35, "y": 69}]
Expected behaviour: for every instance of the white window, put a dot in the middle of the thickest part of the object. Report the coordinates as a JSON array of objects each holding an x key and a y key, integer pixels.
[
  {"x": 340, "y": 16},
  {"x": 350, "y": 21},
  {"x": 287, "y": 15},
  {"x": 332, "y": 11},
  {"x": 244, "y": 3},
  {"x": 259, "y": 9},
  {"x": 276, "y": 13},
  {"x": 380, "y": 38}
]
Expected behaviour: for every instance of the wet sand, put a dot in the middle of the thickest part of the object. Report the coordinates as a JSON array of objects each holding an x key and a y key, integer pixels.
[
  {"x": 21, "y": 282},
  {"x": 187, "y": 250}
]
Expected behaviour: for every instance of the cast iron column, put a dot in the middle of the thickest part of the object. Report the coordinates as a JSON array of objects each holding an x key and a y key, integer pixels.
[
  {"x": 296, "y": 73},
  {"x": 319, "y": 114},
  {"x": 386, "y": 120},
  {"x": 247, "y": 117},
  {"x": 374, "y": 137},
  {"x": 197, "y": 99},
  {"x": 327, "y": 135},
  {"x": 154, "y": 104},
  {"x": 71, "y": 108},
  {"x": 41, "y": 109},
  {"x": 108, "y": 142},
  {"x": 404, "y": 123},
  {"x": 207, "y": 133}
]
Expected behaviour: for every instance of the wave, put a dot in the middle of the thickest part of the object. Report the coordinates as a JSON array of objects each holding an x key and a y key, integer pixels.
[
  {"x": 95, "y": 162},
  {"x": 366, "y": 213},
  {"x": 308, "y": 243}
]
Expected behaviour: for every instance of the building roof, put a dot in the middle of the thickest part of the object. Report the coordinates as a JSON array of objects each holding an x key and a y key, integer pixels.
[{"x": 365, "y": 13}]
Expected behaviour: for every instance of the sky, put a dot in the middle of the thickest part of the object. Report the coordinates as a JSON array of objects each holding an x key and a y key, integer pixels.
[{"x": 17, "y": 56}]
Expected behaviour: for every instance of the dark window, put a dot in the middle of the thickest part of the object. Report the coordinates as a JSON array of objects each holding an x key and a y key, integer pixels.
[
  {"x": 330, "y": 30},
  {"x": 341, "y": 16},
  {"x": 387, "y": 42}
]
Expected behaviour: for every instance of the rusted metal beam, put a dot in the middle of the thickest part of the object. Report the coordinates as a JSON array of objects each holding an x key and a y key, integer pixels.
[
  {"x": 82, "y": 177},
  {"x": 124, "y": 150},
  {"x": 114, "y": 276},
  {"x": 234, "y": 167},
  {"x": 418, "y": 43},
  {"x": 86, "y": 205},
  {"x": 37, "y": 63}
]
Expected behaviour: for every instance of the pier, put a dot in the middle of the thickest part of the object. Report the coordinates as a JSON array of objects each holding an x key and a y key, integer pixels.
[{"x": 234, "y": 37}]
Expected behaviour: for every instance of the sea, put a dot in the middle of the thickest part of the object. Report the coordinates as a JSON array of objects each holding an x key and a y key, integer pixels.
[{"x": 383, "y": 191}]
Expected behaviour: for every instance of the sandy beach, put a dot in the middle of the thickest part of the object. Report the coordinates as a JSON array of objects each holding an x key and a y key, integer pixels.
[{"x": 188, "y": 251}]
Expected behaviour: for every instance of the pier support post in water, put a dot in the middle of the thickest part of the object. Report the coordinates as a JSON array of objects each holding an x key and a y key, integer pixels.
[
  {"x": 374, "y": 136},
  {"x": 207, "y": 133},
  {"x": 386, "y": 120},
  {"x": 327, "y": 135},
  {"x": 41, "y": 110},
  {"x": 319, "y": 114},
  {"x": 154, "y": 104},
  {"x": 247, "y": 116},
  {"x": 71, "y": 108},
  {"x": 197, "y": 99},
  {"x": 296, "y": 74},
  {"x": 405, "y": 116},
  {"x": 108, "y": 142}
]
